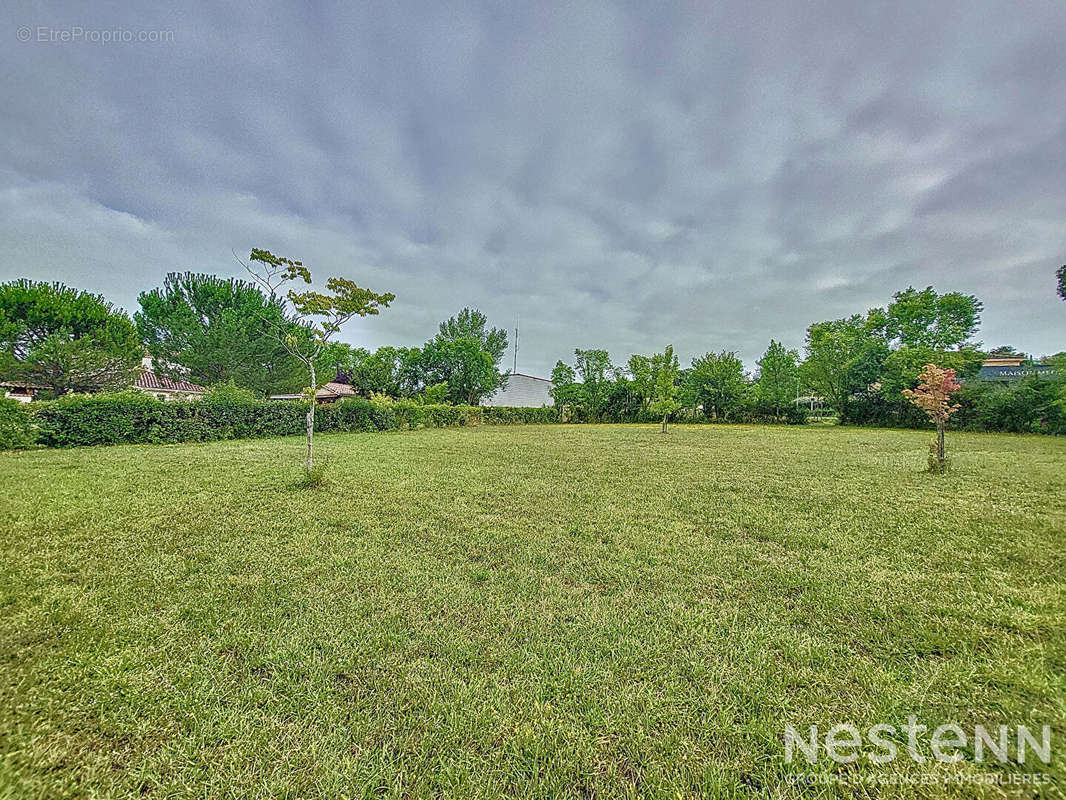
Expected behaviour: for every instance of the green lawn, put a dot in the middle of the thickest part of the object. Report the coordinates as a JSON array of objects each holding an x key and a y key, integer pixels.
[{"x": 580, "y": 611}]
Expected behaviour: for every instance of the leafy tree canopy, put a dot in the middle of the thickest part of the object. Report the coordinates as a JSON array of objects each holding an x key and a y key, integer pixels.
[
  {"x": 64, "y": 339},
  {"x": 466, "y": 355},
  {"x": 778, "y": 377},
  {"x": 664, "y": 373},
  {"x": 927, "y": 319},
  {"x": 215, "y": 330},
  {"x": 717, "y": 383}
]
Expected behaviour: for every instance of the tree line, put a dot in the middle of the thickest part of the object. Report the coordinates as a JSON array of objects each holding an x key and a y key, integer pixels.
[
  {"x": 857, "y": 367},
  {"x": 213, "y": 330}
]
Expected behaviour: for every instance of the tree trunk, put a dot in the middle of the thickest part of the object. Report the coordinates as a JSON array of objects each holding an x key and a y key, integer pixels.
[
  {"x": 665, "y": 416},
  {"x": 311, "y": 422},
  {"x": 940, "y": 441}
]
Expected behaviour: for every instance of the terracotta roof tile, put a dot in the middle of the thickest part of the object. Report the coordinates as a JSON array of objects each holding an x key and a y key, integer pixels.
[{"x": 152, "y": 380}]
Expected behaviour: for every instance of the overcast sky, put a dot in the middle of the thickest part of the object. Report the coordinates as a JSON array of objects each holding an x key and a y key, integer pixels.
[{"x": 623, "y": 176}]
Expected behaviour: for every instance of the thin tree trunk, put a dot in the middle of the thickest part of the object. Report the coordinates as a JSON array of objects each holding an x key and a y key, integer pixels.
[
  {"x": 940, "y": 441},
  {"x": 311, "y": 421},
  {"x": 664, "y": 422}
]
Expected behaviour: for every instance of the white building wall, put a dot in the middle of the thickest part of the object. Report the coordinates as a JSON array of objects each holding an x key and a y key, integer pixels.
[{"x": 522, "y": 391}]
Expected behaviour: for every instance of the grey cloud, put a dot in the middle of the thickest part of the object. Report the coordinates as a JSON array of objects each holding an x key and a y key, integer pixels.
[{"x": 622, "y": 175}]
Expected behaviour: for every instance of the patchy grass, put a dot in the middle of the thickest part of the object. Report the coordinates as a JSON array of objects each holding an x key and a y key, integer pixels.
[{"x": 537, "y": 611}]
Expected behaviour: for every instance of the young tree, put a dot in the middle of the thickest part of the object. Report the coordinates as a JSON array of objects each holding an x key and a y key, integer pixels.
[
  {"x": 213, "y": 330},
  {"x": 933, "y": 396},
  {"x": 664, "y": 377},
  {"x": 778, "y": 378},
  {"x": 342, "y": 300},
  {"x": 63, "y": 339}
]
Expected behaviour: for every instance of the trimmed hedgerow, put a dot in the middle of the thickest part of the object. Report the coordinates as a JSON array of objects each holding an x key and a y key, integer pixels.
[
  {"x": 16, "y": 428},
  {"x": 137, "y": 418}
]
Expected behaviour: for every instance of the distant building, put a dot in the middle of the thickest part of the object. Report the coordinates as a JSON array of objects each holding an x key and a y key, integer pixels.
[
  {"x": 1006, "y": 368},
  {"x": 20, "y": 392},
  {"x": 522, "y": 391},
  {"x": 330, "y": 393},
  {"x": 148, "y": 381},
  {"x": 163, "y": 388}
]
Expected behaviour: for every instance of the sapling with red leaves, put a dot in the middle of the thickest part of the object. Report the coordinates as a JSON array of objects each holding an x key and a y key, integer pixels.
[{"x": 933, "y": 396}]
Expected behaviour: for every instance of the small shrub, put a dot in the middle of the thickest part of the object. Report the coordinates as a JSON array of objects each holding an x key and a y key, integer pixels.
[{"x": 313, "y": 478}]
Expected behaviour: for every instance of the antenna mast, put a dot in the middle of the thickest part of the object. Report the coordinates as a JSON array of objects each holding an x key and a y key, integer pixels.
[{"x": 514, "y": 369}]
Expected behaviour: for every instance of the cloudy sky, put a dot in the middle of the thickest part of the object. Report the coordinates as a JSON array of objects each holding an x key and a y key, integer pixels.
[{"x": 622, "y": 175}]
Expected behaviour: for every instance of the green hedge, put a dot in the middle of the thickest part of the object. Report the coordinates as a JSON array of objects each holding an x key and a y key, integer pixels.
[
  {"x": 16, "y": 427},
  {"x": 137, "y": 418}
]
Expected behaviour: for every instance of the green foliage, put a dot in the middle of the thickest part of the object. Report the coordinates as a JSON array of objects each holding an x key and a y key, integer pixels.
[
  {"x": 395, "y": 371},
  {"x": 716, "y": 382},
  {"x": 434, "y": 395},
  {"x": 465, "y": 366},
  {"x": 927, "y": 319},
  {"x": 565, "y": 391},
  {"x": 342, "y": 301},
  {"x": 64, "y": 340},
  {"x": 843, "y": 356},
  {"x": 17, "y": 430},
  {"x": 212, "y": 330},
  {"x": 778, "y": 383},
  {"x": 640, "y": 377},
  {"x": 229, "y": 392},
  {"x": 1061, "y": 278},
  {"x": 137, "y": 418},
  {"x": 466, "y": 355},
  {"x": 1030, "y": 405},
  {"x": 588, "y": 389},
  {"x": 664, "y": 374},
  {"x": 313, "y": 478}
]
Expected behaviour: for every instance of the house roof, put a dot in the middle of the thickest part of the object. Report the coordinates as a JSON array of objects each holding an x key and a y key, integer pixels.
[
  {"x": 334, "y": 389},
  {"x": 1004, "y": 360},
  {"x": 329, "y": 390},
  {"x": 155, "y": 381}
]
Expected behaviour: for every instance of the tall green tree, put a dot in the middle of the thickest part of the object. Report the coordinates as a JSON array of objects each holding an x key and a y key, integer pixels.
[
  {"x": 466, "y": 354},
  {"x": 565, "y": 391},
  {"x": 213, "y": 330},
  {"x": 472, "y": 324},
  {"x": 319, "y": 314},
  {"x": 640, "y": 375},
  {"x": 664, "y": 379},
  {"x": 843, "y": 356},
  {"x": 927, "y": 319},
  {"x": 717, "y": 383},
  {"x": 778, "y": 378},
  {"x": 596, "y": 374},
  {"x": 63, "y": 339}
]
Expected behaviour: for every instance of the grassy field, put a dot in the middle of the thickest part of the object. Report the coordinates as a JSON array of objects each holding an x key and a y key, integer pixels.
[{"x": 581, "y": 611}]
